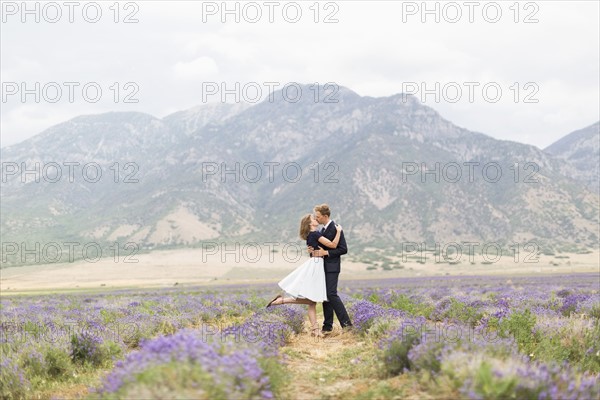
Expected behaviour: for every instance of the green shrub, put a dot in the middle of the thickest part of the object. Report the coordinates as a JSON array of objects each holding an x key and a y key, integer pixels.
[
  {"x": 490, "y": 386},
  {"x": 395, "y": 353},
  {"x": 428, "y": 356},
  {"x": 520, "y": 325},
  {"x": 34, "y": 364},
  {"x": 58, "y": 363},
  {"x": 171, "y": 380},
  {"x": 277, "y": 373},
  {"x": 572, "y": 345},
  {"x": 382, "y": 326},
  {"x": 404, "y": 303},
  {"x": 13, "y": 384},
  {"x": 87, "y": 348},
  {"x": 462, "y": 312}
]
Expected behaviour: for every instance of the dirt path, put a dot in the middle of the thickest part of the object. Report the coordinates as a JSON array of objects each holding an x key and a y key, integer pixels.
[
  {"x": 341, "y": 366},
  {"x": 315, "y": 363}
]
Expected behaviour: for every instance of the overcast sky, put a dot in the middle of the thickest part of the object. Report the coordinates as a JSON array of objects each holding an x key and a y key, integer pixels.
[{"x": 376, "y": 48}]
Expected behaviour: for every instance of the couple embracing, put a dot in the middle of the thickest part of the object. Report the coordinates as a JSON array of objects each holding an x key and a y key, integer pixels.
[{"x": 316, "y": 280}]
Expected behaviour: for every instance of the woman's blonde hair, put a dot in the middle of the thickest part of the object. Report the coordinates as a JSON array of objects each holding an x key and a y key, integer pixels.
[{"x": 305, "y": 226}]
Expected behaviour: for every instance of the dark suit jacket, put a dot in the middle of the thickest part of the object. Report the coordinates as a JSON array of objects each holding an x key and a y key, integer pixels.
[{"x": 333, "y": 261}]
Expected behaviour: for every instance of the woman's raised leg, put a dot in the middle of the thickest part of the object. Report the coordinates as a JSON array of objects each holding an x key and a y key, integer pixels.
[{"x": 291, "y": 300}]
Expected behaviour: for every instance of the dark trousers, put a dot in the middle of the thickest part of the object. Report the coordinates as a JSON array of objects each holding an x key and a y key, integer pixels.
[{"x": 334, "y": 304}]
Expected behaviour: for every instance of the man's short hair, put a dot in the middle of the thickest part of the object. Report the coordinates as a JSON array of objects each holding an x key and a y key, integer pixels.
[{"x": 323, "y": 209}]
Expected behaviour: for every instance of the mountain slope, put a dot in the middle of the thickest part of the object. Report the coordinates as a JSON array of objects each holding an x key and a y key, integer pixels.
[
  {"x": 582, "y": 150},
  {"x": 248, "y": 173}
]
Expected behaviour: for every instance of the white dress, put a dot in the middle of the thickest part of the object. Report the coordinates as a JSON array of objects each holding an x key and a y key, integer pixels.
[{"x": 307, "y": 281}]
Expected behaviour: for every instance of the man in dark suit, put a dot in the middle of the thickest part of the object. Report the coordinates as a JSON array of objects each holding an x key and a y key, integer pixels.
[{"x": 332, "y": 263}]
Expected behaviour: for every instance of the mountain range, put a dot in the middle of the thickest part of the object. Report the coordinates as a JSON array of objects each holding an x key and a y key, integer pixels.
[
  {"x": 581, "y": 149},
  {"x": 392, "y": 170}
]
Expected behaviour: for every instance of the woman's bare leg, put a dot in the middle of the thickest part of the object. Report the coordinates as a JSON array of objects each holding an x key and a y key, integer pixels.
[
  {"x": 312, "y": 314},
  {"x": 315, "y": 329},
  {"x": 291, "y": 300}
]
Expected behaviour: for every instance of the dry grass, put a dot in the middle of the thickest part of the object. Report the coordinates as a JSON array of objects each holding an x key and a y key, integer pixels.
[
  {"x": 187, "y": 267},
  {"x": 343, "y": 365}
]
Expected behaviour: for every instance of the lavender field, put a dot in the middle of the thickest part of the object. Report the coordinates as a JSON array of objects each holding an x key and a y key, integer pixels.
[{"x": 435, "y": 337}]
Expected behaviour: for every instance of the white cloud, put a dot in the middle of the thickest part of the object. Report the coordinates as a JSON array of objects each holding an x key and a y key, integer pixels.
[
  {"x": 20, "y": 122},
  {"x": 198, "y": 69},
  {"x": 171, "y": 51}
]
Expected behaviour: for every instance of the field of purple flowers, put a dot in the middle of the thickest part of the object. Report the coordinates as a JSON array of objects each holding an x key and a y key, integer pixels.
[
  {"x": 488, "y": 338},
  {"x": 147, "y": 344},
  {"x": 468, "y": 337}
]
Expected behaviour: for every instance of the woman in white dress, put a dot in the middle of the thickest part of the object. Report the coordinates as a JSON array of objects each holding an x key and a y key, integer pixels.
[{"x": 306, "y": 284}]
